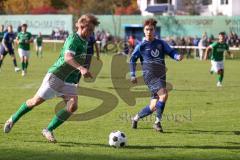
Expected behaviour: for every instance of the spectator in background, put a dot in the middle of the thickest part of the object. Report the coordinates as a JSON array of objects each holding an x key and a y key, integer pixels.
[
  {"x": 195, "y": 43},
  {"x": 104, "y": 40},
  {"x": 131, "y": 42},
  {"x": 202, "y": 43},
  {"x": 1, "y": 32},
  {"x": 189, "y": 43},
  {"x": 19, "y": 29}
]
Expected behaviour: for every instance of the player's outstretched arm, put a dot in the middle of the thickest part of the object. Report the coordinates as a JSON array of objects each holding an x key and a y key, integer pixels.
[
  {"x": 172, "y": 52},
  {"x": 207, "y": 52}
]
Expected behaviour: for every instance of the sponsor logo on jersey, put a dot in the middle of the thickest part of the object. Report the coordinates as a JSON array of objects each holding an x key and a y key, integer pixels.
[{"x": 155, "y": 53}]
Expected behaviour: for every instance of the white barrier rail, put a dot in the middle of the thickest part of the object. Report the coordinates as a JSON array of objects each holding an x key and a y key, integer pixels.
[
  {"x": 196, "y": 47},
  {"x": 53, "y": 41},
  {"x": 177, "y": 47}
]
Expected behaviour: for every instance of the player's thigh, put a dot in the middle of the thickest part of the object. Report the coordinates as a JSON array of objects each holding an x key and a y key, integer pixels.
[
  {"x": 23, "y": 53},
  {"x": 217, "y": 66},
  {"x": 12, "y": 54},
  {"x": 40, "y": 48},
  {"x": 46, "y": 91}
]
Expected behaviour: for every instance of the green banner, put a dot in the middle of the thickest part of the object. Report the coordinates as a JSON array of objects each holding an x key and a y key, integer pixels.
[
  {"x": 39, "y": 23},
  {"x": 175, "y": 25}
]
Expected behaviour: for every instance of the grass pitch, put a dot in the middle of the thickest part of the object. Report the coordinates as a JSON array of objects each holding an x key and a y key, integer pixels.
[{"x": 200, "y": 120}]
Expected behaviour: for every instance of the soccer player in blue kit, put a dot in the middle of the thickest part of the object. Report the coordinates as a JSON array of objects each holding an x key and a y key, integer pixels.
[
  {"x": 151, "y": 52},
  {"x": 7, "y": 47}
]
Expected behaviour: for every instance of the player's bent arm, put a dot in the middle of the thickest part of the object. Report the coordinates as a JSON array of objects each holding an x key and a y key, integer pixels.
[
  {"x": 16, "y": 40},
  {"x": 208, "y": 49},
  {"x": 4, "y": 44},
  {"x": 69, "y": 58}
]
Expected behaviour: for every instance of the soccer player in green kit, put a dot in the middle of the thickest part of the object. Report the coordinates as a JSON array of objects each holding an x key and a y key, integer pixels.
[
  {"x": 24, "y": 39},
  {"x": 39, "y": 41},
  {"x": 218, "y": 48},
  {"x": 62, "y": 78},
  {"x": 1, "y": 32}
]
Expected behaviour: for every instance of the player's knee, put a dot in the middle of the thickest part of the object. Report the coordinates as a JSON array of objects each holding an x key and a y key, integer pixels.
[
  {"x": 220, "y": 71},
  {"x": 33, "y": 102},
  {"x": 73, "y": 108},
  {"x": 163, "y": 97},
  {"x": 72, "y": 105}
]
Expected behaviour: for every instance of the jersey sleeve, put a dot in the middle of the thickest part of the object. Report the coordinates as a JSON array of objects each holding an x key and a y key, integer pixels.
[
  {"x": 5, "y": 36},
  {"x": 213, "y": 45},
  {"x": 69, "y": 46},
  {"x": 170, "y": 51},
  {"x": 135, "y": 55}
]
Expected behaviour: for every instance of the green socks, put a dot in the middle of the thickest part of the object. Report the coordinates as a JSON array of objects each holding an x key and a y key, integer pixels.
[
  {"x": 220, "y": 77},
  {"x": 24, "y": 65},
  {"x": 21, "y": 111},
  {"x": 58, "y": 119}
]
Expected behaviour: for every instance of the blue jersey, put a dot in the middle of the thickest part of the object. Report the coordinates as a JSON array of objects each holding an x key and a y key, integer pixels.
[
  {"x": 151, "y": 54},
  {"x": 8, "y": 38},
  {"x": 91, "y": 41}
]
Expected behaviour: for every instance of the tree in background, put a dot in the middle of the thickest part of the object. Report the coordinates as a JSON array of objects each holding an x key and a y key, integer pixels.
[
  {"x": 24, "y": 6},
  {"x": 75, "y": 7},
  {"x": 192, "y": 6},
  {"x": 126, "y": 7}
]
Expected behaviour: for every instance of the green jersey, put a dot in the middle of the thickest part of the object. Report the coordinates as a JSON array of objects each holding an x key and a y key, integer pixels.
[
  {"x": 1, "y": 36},
  {"x": 78, "y": 47},
  {"x": 218, "y": 50},
  {"x": 39, "y": 40},
  {"x": 24, "y": 38}
]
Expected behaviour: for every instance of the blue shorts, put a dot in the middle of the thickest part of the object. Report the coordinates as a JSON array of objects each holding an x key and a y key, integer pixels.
[
  {"x": 4, "y": 52},
  {"x": 154, "y": 76}
]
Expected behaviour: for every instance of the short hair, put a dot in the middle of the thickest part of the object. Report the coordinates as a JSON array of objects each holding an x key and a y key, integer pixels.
[
  {"x": 150, "y": 21},
  {"x": 89, "y": 18},
  {"x": 24, "y": 25},
  {"x": 222, "y": 33}
]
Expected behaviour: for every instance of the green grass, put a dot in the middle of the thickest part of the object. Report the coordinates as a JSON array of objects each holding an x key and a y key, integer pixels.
[{"x": 201, "y": 121}]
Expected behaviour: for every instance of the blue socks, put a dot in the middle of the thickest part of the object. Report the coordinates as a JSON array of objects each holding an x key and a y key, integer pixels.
[
  {"x": 160, "y": 108},
  {"x": 145, "y": 112}
]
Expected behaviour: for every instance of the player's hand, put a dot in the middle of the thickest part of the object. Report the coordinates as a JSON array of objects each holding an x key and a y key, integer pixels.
[
  {"x": 134, "y": 80},
  {"x": 88, "y": 75},
  {"x": 180, "y": 57},
  {"x": 6, "y": 49},
  {"x": 85, "y": 72}
]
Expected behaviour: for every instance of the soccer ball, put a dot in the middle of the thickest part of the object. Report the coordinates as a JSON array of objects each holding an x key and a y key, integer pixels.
[{"x": 117, "y": 139}]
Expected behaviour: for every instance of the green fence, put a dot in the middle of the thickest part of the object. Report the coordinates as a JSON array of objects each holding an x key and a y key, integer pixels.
[{"x": 174, "y": 25}]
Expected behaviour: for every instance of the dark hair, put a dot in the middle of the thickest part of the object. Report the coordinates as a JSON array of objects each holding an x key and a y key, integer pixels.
[
  {"x": 222, "y": 33},
  {"x": 150, "y": 21},
  {"x": 24, "y": 25}
]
